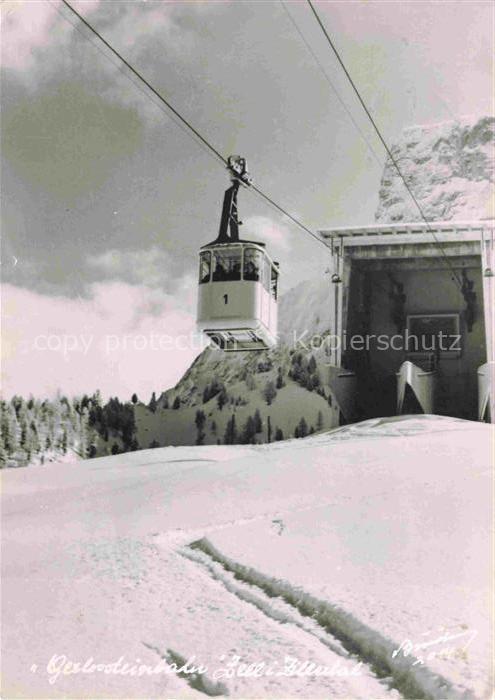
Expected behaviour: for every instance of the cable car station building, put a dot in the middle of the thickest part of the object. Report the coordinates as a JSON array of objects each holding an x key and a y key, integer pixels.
[{"x": 412, "y": 308}]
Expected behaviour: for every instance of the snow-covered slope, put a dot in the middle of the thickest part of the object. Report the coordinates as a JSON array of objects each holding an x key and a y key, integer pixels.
[
  {"x": 450, "y": 169},
  {"x": 212, "y": 554}
]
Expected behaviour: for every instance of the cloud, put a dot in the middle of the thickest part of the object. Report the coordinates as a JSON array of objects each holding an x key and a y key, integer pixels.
[
  {"x": 130, "y": 23},
  {"x": 30, "y": 27},
  {"x": 154, "y": 269},
  {"x": 133, "y": 331},
  {"x": 44, "y": 42},
  {"x": 148, "y": 267},
  {"x": 25, "y": 28},
  {"x": 300, "y": 258},
  {"x": 122, "y": 339},
  {"x": 275, "y": 235}
]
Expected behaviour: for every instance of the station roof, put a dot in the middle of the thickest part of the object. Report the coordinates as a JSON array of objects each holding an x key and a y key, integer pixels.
[{"x": 387, "y": 232}]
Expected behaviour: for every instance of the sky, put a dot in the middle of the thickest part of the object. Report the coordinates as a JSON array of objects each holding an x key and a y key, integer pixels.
[{"x": 106, "y": 199}]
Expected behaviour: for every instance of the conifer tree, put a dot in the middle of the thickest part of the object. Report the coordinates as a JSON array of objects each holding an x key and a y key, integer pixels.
[
  {"x": 3, "y": 455},
  {"x": 258, "y": 423},
  {"x": 64, "y": 441},
  {"x": 153, "y": 403},
  {"x": 250, "y": 382},
  {"x": 200, "y": 419},
  {"x": 248, "y": 431},
  {"x": 302, "y": 428},
  {"x": 280, "y": 379},
  {"x": 230, "y": 437},
  {"x": 319, "y": 421},
  {"x": 24, "y": 441},
  {"x": 200, "y": 422},
  {"x": 9, "y": 429},
  {"x": 83, "y": 441},
  {"x": 269, "y": 392},
  {"x": 222, "y": 399},
  {"x": 206, "y": 394}
]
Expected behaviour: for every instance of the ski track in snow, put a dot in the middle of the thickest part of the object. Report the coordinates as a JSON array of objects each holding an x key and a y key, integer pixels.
[
  {"x": 333, "y": 627},
  {"x": 289, "y": 634}
]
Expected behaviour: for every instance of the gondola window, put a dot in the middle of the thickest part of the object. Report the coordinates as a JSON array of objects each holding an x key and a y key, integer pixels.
[
  {"x": 274, "y": 283},
  {"x": 204, "y": 267},
  {"x": 253, "y": 260},
  {"x": 227, "y": 265}
]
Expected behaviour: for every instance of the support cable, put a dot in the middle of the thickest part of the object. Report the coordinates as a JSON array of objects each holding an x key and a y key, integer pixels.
[
  {"x": 183, "y": 122},
  {"x": 331, "y": 85},
  {"x": 384, "y": 143}
]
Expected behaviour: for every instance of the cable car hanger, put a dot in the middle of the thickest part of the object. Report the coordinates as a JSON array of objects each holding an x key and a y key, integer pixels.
[{"x": 229, "y": 222}]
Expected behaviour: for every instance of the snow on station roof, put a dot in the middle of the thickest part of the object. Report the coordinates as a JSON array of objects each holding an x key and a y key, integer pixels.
[
  {"x": 400, "y": 232},
  {"x": 470, "y": 230}
]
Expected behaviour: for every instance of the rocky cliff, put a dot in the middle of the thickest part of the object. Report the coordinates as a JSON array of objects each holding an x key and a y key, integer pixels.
[{"x": 450, "y": 169}]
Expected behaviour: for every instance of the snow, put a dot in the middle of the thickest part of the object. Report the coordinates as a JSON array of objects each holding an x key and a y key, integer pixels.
[
  {"x": 448, "y": 166},
  {"x": 334, "y": 550}
]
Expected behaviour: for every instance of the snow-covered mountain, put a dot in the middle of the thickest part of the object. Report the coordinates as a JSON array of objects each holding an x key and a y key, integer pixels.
[
  {"x": 283, "y": 385},
  {"x": 450, "y": 168},
  {"x": 305, "y": 308}
]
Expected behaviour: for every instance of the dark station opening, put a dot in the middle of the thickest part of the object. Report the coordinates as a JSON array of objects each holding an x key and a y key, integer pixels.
[{"x": 391, "y": 303}]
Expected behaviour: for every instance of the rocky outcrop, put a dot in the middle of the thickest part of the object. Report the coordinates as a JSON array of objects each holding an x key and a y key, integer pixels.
[{"x": 450, "y": 169}]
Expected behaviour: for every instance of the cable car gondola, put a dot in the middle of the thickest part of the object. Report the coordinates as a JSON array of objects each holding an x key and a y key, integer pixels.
[{"x": 237, "y": 298}]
